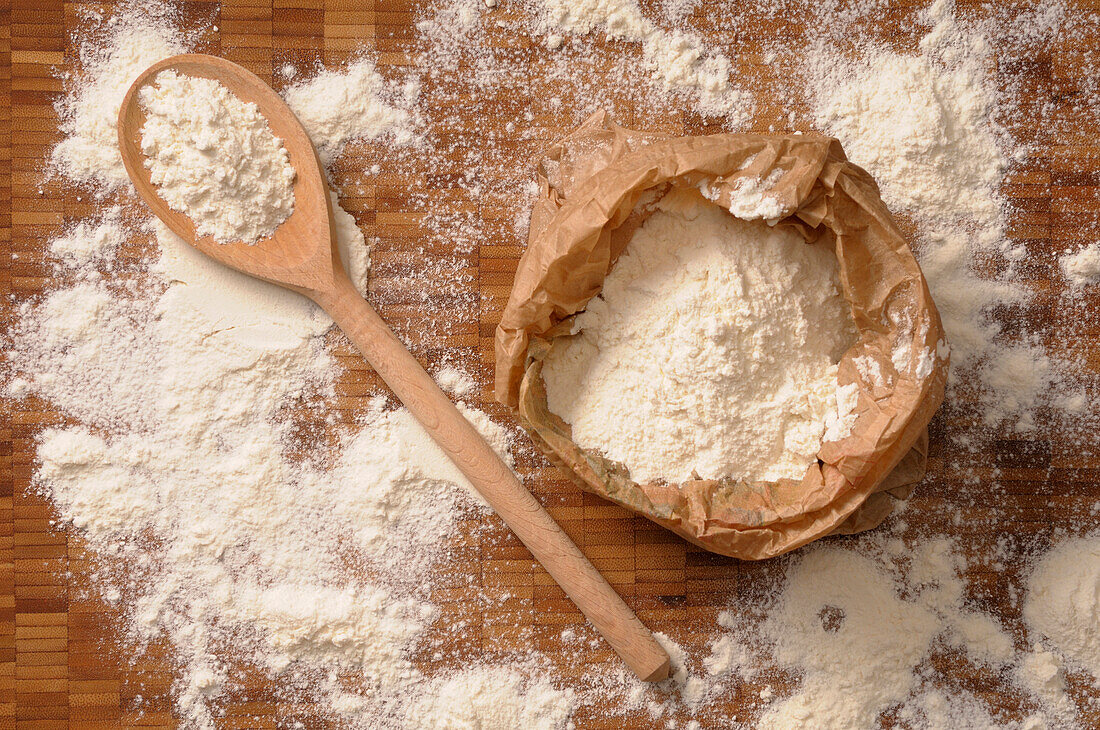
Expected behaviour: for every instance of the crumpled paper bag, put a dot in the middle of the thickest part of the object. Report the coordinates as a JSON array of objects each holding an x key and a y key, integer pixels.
[{"x": 597, "y": 186}]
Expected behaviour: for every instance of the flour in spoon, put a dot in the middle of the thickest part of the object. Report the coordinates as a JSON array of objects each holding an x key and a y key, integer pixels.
[{"x": 214, "y": 158}]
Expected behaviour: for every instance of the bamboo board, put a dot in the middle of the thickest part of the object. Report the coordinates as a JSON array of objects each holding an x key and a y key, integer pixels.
[{"x": 61, "y": 662}]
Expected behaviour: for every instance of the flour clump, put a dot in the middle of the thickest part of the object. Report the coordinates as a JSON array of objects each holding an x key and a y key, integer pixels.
[
  {"x": 1082, "y": 268},
  {"x": 1063, "y": 602},
  {"x": 711, "y": 352},
  {"x": 340, "y": 107},
  {"x": 213, "y": 157}
]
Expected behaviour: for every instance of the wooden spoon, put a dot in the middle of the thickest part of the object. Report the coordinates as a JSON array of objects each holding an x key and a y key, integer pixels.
[{"x": 301, "y": 255}]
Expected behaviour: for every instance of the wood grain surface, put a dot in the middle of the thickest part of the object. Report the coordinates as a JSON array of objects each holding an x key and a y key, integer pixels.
[{"x": 62, "y": 664}]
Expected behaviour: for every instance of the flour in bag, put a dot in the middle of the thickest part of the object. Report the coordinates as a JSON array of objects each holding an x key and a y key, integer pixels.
[{"x": 712, "y": 350}]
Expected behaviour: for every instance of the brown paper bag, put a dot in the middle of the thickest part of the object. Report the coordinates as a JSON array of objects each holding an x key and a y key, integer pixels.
[{"x": 591, "y": 186}]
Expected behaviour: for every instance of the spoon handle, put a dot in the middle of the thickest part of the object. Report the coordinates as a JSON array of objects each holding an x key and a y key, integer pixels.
[{"x": 494, "y": 480}]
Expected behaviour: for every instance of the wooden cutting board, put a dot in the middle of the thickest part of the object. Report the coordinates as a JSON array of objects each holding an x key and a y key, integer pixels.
[{"x": 61, "y": 661}]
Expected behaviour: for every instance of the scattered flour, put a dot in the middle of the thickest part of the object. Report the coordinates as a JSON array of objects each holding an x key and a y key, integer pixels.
[
  {"x": 857, "y": 627},
  {"x": 839, "y": 620},
  {"x": 90, "y": 241},
  {"x": 214, "y": 158},
  {"x": 679, "y": 60},
  {"x": 455, "y": 381},
  {"x": 730, "y": 655},
  {"x": 250, "y": 541},
  {"x": 305, "y": 626},
  {"x": 491, "y": 697},
  {"x": 203, "y": 368},
  {"x": 940, "y": 710},
  {"x": 712, "y": 349},
  {"x": 178, "y": 470},
  {"x": 1041, "y": 672},
  {"x": 909, "y": 121}
]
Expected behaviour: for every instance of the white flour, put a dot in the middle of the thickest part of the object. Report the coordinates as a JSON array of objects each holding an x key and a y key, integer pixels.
[
  {"x": 712, "y": 349},
  {"x": 1082, "y": 267},
  {"x": 1041, "y": 672},
  {"x": 870, "y": 369},
  {"x": 1063, "y": 602},
  {"x": 485, "y": 697},
  {"x": 89, "y": 151},
  {"x": 679, "y": 61},
  {"x": 455, "y": 381},
  {"x": 750, "y": 200},
  {"x": 939, "y": 709},
  {"x": 251, "y": 541},
  {"x": 858, "y": 627},
  {"x": 909, "y": 121},
  {"x": 840, "y": 621},
  {"x": 181, "y": 469},
  {"x": 730, "y": 655},
  {"x": 338, "y": 107},
  {"x": 924, "y": 126},
  {"x": 214, "y": 158},
  {"x": 90, "y": 241}
]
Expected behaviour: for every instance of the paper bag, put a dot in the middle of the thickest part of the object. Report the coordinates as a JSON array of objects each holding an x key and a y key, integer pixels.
[{"x": 591, "y": 185}]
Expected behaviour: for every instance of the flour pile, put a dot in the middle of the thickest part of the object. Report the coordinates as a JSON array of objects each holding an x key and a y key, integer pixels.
[
  {"x": 910, "y": 119},
  {"x": 841, "y": 621},
  {"x": 214, "y": 158},
  {"x": 337, "y": 108},
  {"x": 485, "y": 697},
  {"x": 712, "y": 350},
  {"x": 1063, "y": 602},
  {"x": 88, "y": 153}
]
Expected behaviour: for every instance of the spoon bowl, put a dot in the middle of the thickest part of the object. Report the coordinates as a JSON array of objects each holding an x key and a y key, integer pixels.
[{"x": 301, "y": 255}]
